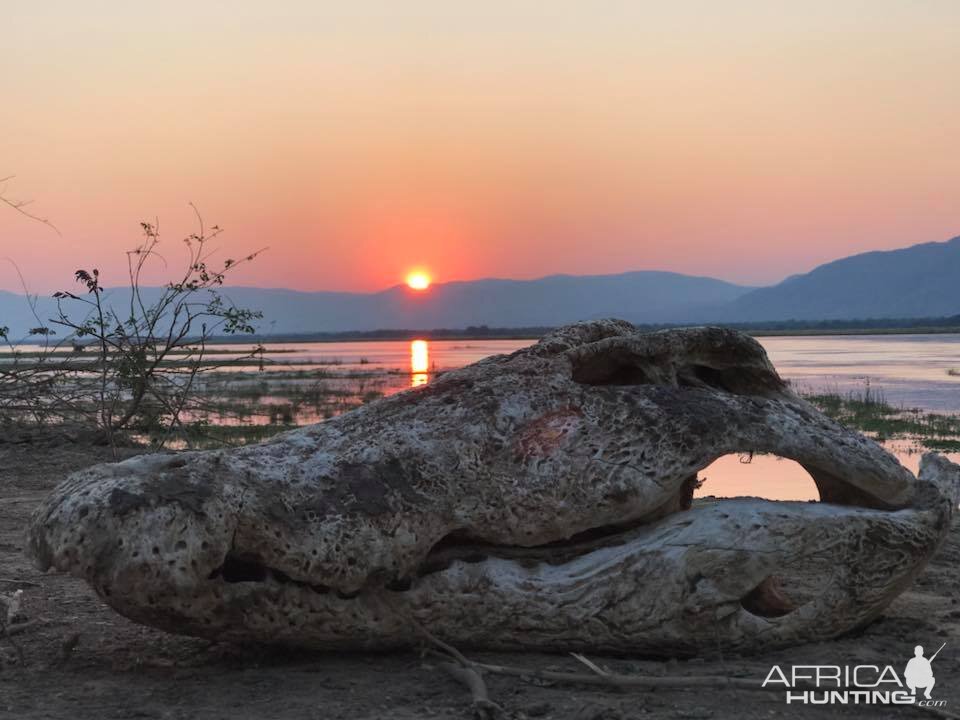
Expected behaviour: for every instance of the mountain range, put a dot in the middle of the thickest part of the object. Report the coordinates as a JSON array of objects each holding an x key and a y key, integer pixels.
[{"x": 918, "y": 281}]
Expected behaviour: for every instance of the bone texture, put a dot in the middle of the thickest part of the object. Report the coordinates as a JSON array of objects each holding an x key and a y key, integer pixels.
[{"x": 532, "y": 500}]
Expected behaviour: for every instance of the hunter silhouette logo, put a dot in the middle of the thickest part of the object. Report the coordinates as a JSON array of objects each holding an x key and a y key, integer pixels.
[{"x": 919, "y": 672}]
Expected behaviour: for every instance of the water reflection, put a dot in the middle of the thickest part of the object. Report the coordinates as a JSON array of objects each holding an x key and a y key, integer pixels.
[
  {"x": 419, "y": 363},
  {"x": 776, "y": 478},
  {"x": 766, "y": 476}
]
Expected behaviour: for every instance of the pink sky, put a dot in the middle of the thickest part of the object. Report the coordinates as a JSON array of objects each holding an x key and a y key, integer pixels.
[{"x": 745, "y": 140}]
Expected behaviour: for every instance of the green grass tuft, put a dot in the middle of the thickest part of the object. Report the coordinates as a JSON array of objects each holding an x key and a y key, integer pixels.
[{"x": 869, "y": 412}]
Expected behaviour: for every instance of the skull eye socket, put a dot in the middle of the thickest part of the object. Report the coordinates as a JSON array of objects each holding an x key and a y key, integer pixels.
[
  {"x": 602, "y": 370},
  {"x": 613, "y": 364},
  {"x": 697, "y": 375}
]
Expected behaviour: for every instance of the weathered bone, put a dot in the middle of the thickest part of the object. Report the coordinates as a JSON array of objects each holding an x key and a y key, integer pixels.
[{"x": 534, "y": 500}]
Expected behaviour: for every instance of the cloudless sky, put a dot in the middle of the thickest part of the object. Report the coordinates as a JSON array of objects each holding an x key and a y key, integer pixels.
[{"x": 747, "y": 140}]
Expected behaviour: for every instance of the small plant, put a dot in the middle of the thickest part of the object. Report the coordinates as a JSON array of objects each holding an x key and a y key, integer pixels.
[
  {"x": 127, "y": 360},
  {"x": 137, "y": 383}
]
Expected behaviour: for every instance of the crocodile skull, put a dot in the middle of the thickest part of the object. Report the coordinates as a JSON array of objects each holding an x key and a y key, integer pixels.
[{"x": 540, "y": 499}]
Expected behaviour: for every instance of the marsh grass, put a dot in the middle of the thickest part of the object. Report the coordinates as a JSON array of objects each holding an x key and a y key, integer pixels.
[
  {"x": 235, "y": 408},
  {"x": 203, "y": 435},
  {"x": 239, "y": 402},
  {"x": 867, "y": 410}
]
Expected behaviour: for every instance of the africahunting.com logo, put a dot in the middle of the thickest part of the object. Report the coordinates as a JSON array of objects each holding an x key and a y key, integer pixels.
[{"x": 859, "y": 684}]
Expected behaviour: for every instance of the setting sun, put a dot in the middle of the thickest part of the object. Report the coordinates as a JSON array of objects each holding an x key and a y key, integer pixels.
[{"x": 418, "y": 280}]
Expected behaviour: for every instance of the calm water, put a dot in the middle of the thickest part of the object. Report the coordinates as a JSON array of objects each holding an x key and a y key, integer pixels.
[{"x": 910, "y": 370}]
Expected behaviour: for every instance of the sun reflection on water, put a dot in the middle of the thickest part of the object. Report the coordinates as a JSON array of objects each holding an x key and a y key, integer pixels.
[{"x": 419, "y": 363}]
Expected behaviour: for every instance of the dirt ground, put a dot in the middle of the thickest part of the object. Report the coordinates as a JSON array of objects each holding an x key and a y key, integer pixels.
[{"x": 85, "y": 661}]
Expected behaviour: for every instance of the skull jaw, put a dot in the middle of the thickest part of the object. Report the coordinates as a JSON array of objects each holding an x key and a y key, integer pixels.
[{"x": 688, "y": 581}]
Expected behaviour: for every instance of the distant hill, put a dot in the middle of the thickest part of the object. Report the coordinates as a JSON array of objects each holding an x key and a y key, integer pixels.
[
  {"x": 918, "y": 281},
  {"x": 922, "y": 281},
  {"x": 549, "y": 301}
]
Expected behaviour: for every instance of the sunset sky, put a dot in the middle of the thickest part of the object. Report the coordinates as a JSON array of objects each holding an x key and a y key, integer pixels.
[{"x": 747, "y": 140}]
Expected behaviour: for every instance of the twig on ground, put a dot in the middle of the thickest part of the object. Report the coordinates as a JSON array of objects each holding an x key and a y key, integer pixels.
[
  {"x": 590, "y": 664},
  {"x": 483, "y": 707},
  {"x": 465, "y": 672},
  {"x": 448, "y": 649},
  {"x": 15, "y": 581},
  {"x": 17, "y": 628},
  {"x": 622, "y": 681}
]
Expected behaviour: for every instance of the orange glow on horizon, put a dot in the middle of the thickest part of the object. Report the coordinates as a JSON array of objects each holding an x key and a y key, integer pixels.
[
  {"x": 418, "y": 280},
  {"x": 476, "y": 140}
]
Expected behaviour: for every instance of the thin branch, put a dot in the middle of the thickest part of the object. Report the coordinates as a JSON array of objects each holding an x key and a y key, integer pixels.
[
  {"x": 590, "y": 664},
  {"x": 623, "y": 681},
  {"x": 483, "y": 707},
  {"x": 465, "y": 672},
  {"x": 17, "y": 628},
  {"x": 20, "y": 205},
  {"x": 15, "y": 581},
  {"x": 448, "y": 649}
]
